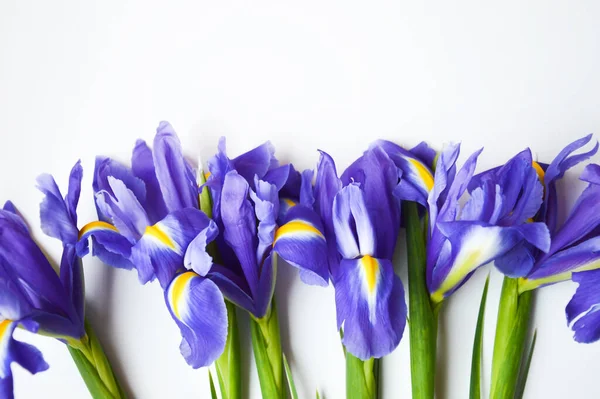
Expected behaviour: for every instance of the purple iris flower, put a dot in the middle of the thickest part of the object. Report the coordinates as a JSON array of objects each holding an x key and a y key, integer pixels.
[
  {"x": 347, "y": 229},
  {"x": 33, "y": 296},
  {"x": 149, "y": 219},
  {"x": 463, "y": 237},
  {"x": 249, "y": 188},
  {"x": 574, "y": 252}
]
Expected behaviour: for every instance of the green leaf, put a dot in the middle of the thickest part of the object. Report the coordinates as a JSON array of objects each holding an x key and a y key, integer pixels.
[
  {"x": 514, "y": 312},
  {"x": 290, "y": 378},
  {"x": 525, "y": 369},
  {"x": 318, "y": 396},
  {"x": 475, "y": 392},
  {"x": 101, "y": 363},
  {"x": 229, "y": 363},
  {"x": 90, "y": 376},
  {"x": 213, "y": 391},
  {"x": 266, "y": 343},
  {"x": 341, "y": 331},
  {"x": 361, "y": 378},
  {"x": 422, "y": 314}
]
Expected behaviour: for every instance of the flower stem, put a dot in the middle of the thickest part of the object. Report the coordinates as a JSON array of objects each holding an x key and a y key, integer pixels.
[
  {"x": 422, "y": 314},
  {"x": 228, "y": 364},
  {"x": 362, "y": 378},
  {"x": 514, "y": 312},
  {"x": 266, "y": 343},
  {"x": 95, "y": 367}
]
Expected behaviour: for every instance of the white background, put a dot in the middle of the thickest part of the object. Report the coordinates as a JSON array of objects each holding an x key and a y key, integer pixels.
[{"x": 84, "y": 78}]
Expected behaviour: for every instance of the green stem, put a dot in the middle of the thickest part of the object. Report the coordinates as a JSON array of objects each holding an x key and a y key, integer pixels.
[
  {"x": 266, "y": 343},
  {"x": 362, "y": 377},
  {"x": 228, "y": 364},
  {"x": 421, "y": 313},
  {"x": 95, "y": 367},
  {"x": 514, "y": 312}
]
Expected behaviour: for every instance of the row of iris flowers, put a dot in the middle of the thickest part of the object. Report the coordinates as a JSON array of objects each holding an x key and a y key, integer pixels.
[{"x": 212, "y": 238}]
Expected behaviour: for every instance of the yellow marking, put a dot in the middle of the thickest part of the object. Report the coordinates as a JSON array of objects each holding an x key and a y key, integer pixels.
[
  {"x": 296, "y": 226},
  {"x": 4, "y": 324},
  {"x": 526, "y": 284},
  {"x": 96, "y": 225},
  {"x": 455, "y": 276},
  {"x": 206, "y": 175},
  {"x": 160, "y": 235},
  {"x": 371, "y": 268},
  {"x": 540, "y": 172},
  {"x": 423, "y": 173},
  {"x": 289, "y": 202},
  {"x": 177, "y": 290}
]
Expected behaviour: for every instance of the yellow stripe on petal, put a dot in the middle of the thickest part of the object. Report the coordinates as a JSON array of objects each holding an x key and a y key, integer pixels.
[
  {"x": 296, "y": 227},
  {"x": 98, "y": 225},
  {"x": 371, "y": 269},
  {"x": 526, "y": 284},
  {"x": 178, "y": 289},
  {"x": 289, "y": 202},
  {"x": 423, "y": 173},
  {"x": 461, "y": 269},
  {"x": 160, "y": 236},
  {"x": 4, "y": 324},
  {"x": 540, "y": 172}
]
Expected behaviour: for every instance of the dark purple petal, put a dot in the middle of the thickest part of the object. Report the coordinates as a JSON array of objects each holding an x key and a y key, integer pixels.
[
  {"x": 327, "y": 185},
  {"x": 370, "y": 304},
  {"x": 301, "y": 243},
  {"x": 142, "y": 165},
  {"x": 591, "y": 174},
  {"x": 71, "y": 276},
  {"x": 198, "y": 308},
  {"x": 518, "y": 262},
  {"x": 307, "y": 197},
  {"x": 582, "y": 310},
  {"x": 256, "y": 162},
  {"x": 444, "y": 176},
  {"x": 56, "y": 219},
  {"x": 28, "y": 264},
  {"x": 266, "y": 286},
  {"x": 233, "y": 287},
  {"x": 176, "y": 178},
  {"x": 279, "y": 177},
  {"x": 555, "y": 171},
  {"x": 107, "y": 244},
  {"x": 239, "y": 223},
  {"x": 12, "y": 212}
]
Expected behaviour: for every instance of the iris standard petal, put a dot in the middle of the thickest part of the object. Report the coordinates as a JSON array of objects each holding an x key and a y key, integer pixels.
[
  {"x": 443, "y": 178},
  {"x": 256, "y": 162},
  {"x": 142, "y": 166},
  {"x": 56, "y": 218},
  {"x": 106, "y": 167},
  {"x": 377, "y": 176},
  {"x": 474, "y": 245},
  {"x": 582, "y": 311},
  {"x": 370, "y": 304},
  {"x": 198, "y": 308},
  {"x": 301, "y": 243},
  {"x": 233, "y": 287},
  {"x": 123, "y": 210},
  {"x": 583, "y": 219},
  {"x": 266, "y": 285},
  {"x": 160, "y": 251},
  {"x": 71, "y": 276},
  {"x": 239, "y": 223},
  {"x": 555, "y": 171},
  {"x": 327, "y": 185},
  {"x": 591, "y": 174},
  {"x": 11, "y": 212},
  {"x": 307, "y": 197},
  {"x": 174, "y": 174}
]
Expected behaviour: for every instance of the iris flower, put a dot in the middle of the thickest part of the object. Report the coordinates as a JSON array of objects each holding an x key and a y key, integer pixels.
[
  {"x": 574, "y": 252},
  {"x": 149, "y": 218},
  {"x": 348, "y": 229},
  {"x": 461, "y": 238}
]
